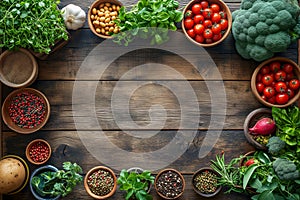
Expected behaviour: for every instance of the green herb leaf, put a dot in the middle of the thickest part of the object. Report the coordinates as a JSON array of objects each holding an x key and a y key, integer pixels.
[{"x": 248, "y": 174}]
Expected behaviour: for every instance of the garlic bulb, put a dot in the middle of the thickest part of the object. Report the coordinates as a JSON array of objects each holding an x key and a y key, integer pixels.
[{"x": 73, "y": 16}]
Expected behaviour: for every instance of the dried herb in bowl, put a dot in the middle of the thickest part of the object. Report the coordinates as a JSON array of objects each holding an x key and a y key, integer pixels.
[{"x": 100, "y": 182}]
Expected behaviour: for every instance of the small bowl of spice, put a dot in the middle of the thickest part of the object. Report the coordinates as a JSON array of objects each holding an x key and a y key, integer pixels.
[
  {"x": 169, "y": 184},
  {"x": 38, "y": 151},
  {"x": 100, "y": 182},
  {"x": 25, "y": 110},
  {"x": 205, "y": 182}
]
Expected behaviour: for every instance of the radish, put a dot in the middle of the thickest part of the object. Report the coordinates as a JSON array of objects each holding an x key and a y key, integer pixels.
[{"x": 264, "y": 126}]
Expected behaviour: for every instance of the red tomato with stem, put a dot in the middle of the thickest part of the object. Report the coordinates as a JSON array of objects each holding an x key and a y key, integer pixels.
[
  {"x": 259, "y": 77},
  {"x": 208, "y": 40},
  {"x": 198, "y": 19},
  {"x": 224, "y": 24},
  {"x": 280, "y": 87},
  {"x": 223, "y": 14},
  {"x": 208, "y": 34},
  {"x": 215, "y": 7},
  {"x": 267, "y": 79},
  {"x": 199, "y": 29},
  {"x": 260, "y": 87},
  {"x": 294, "y": 84},
  {"x": 272, "y": 100},
  {"x": 282, "y": 98},
  {"x": 280, "y": 75},
  {"x": 199, "y": 38},
  {"x": 217, "y": 37},
  {"x": 265, "y": 70},
  {"x": 269, "y": 92},
  {"x": 204, "y": 4},
  {"x": 215, "y": 18},
  {"x": 290, "y": 92},
  {"x": 288, "y": 68},
  {"x": 216, "y": 28},
  {"x": 275, "y": 66},
  {"x": 191, "y": 33},
  {"x": 188, "y": 23},
  {"x": 207, "y": 23},
  {"x": 290, "y": 76},
  {"x": 207, "y": 13},
  {"x": 196, "y": 9},
  {"x": 188, "y": 14}
]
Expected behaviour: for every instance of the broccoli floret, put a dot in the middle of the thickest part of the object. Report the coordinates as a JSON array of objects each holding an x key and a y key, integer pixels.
[
  {"x": 277, "y": 41},
  {"x": 284, "y": 20},
  {"x": 285, "y": 169},
  {"x": 278, "y": 5},
  {"x": 262, "y": 28},
  {"x": 273, "y": 28},
  {"x": 241, "y": 49},
  {"x": 252, "y": 31},
  {"x": 275, "y": 145},
  {"x": 254, "y": 19},
  {"x": 259, "y": 53},
  {"x": 267, "y": 11},
  {"x": 260, "y": 40}
]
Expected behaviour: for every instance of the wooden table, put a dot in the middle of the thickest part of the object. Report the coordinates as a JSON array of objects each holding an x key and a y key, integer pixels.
[{"x": 57, "y": 78}]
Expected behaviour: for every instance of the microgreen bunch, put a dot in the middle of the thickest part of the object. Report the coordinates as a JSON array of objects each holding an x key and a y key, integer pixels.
[
  {"x": 161, "y": 15},
  {"x": 31, "y": 24}
]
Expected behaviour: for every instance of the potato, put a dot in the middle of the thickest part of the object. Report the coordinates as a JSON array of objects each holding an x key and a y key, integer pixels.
[{"x": 12, "y": 175}]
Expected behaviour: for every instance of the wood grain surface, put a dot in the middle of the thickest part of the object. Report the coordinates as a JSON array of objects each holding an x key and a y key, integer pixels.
[{"x": 145, "y": 87}]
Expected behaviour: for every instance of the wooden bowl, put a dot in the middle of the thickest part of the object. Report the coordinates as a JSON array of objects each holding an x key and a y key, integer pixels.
[
  {"x": 96, "y": 4},
  {"x": 251, "y": 120},
  {"x": 218, "y": 189},
  {"x": 95, "y": 169},
  {"x": 6, "y": 110},
  {"x": 223, "y": 7},
  {"x": 31, "y": 149},
  {"x": 18, "y": 68},
  {"x": 256, "y": 71},
  {"x": 157, "y": 179}
]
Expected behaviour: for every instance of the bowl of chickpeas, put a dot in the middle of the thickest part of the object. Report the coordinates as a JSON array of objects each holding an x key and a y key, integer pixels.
[{"x": 102, "y": 16}]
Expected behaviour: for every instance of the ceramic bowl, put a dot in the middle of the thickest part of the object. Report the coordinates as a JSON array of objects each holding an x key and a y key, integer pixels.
[
  {"x": 37, "y": 172},
  {"x": 18, "y": 68},
  {"x": 20, "y": 128},
  {"x": 24, "y": 177},
  {"x": 94, "y": 170},
  {"x": 223, "y": 7},
  {"x": 36, "y": 156},
  {"x": 94, "y": 23},
  {"x": 251, "y": 120},
  {"x": 254, "y": 81},
  {"x": 160, "y": 189},
  {"x": 196, "y": 177}
]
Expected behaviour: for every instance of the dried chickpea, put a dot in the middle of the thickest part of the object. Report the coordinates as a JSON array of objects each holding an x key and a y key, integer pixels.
[
  {"x": 103, "y": 31},
  {"x": 107, "y": 4},
  {"x": 94, "y": 11},
  {"x": 98, "y": 30},
  {"x": 92, "y": 17},
  {"x": 101, "y": 5},
  {"x": 114, "y": 7},
  {"x": 102, "y": 19},
  {"x": 106, "y": 28},
  {"x": 107, "y": 20},
  {"x": 102, "y": 24}
]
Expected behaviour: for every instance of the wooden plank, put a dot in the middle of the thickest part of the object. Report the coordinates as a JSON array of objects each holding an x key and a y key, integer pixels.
[{"x": 239, "y": 98}]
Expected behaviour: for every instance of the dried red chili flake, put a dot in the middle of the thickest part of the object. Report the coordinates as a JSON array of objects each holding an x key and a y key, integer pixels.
[
  {"x": 27, "y": 110},
  {"x": 39, "y": 152}
]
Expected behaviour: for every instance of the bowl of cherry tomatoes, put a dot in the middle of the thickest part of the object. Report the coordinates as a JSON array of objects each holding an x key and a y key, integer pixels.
[
  {"x": 206, "y": 22},
  {"x": 276, "y": 82}
]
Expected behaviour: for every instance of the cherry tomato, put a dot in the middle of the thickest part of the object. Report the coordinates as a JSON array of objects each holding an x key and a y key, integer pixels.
[
  {"x": 196, "y": 9},
  {"x": 267, "y": 79},
  {"x": 217, "y": 37},
  {"x": 280, "y": 75},
  {"x": 259, "y": 77},
  {"x": 288, "y": 68},
  {"x": 198, "y": 29},
  {"x": 265, "y": 70},
  {"x": 215, "y": 18},
  {"x": 282, "y": 98},
  {"x": 204, "y": 4},
  {"x": 272, "y": 100},
  {"x": 215, "y": 7},
  {"x": 223, "y": 14},
  {"x": 198, "y": 19},
  {"x": 207, "y": 23},
  {"x": 199, "y": 38},
  {"x": 275, "y": 66},
  {"x": 264, "y": 97},
  {"x": 188, "y": 23},
  {"x": 208, "y": 40},
  {"x": 191, "y": 33},
  {"x": 290, "y": 92},
  {"x": 207, "y": 13},
  {"x": 269, "y": 92},
  {"x": 280, "y": 87},
  {"x": 290, "y": 76},
  {"x": 294, "y": 84},
  {"x": 224, "y": 24},
  {"x": 188, "y": 14},
  {"x": 216, "y": 29},
  {"x": 260, "y": 87},
  {"x": 207, "y": 33}
]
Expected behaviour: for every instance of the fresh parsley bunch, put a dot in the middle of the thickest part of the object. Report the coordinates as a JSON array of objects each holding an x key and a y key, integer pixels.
[
  {"x": 31, "y": 24},
  {"x": 148, "y": 19}
]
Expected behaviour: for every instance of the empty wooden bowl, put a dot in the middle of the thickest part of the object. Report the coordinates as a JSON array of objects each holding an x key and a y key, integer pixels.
[
  {"x": 38, "y": 151},
  {"x": 95, "y": 23},
  {"x": 225, "y": 33},
  {"x": 25, "y": 110},
  {"x": 18, "y": 68}
]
